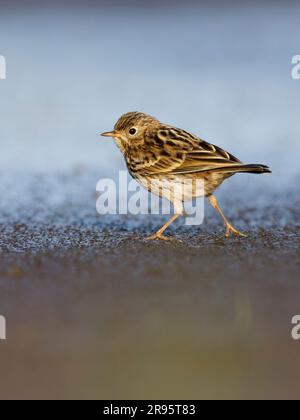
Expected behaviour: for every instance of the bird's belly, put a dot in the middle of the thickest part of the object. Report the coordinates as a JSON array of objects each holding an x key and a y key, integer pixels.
[{"x": 178, "y": 187}]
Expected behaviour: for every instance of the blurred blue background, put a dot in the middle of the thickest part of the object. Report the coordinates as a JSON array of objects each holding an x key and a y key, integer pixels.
[{"x": 219, "y": 69}]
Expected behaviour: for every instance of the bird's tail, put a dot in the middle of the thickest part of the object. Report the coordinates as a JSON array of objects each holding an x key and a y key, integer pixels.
[{"x": 251, "y": 168}]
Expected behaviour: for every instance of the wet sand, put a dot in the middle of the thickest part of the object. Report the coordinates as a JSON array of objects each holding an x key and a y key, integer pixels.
[{"x": 95, "y": 311}]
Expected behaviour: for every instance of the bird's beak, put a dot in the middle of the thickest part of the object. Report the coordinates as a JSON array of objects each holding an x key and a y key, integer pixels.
[{"x": 110, "y": 134}]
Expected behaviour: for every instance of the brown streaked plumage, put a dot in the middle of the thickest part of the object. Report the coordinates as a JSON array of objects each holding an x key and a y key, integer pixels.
[{"x": 162, "y": 158}]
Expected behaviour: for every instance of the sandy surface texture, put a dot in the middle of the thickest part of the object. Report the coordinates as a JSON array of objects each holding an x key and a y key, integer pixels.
[{"x": 95, "y": 311}]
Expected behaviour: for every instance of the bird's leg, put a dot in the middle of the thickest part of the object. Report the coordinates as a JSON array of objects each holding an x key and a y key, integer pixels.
[
  {"x": 159, "y": 233},
  {"x": 229, "y": 228}
]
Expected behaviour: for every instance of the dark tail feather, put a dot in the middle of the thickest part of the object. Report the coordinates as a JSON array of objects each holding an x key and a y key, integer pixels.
[{"x": 252, "y": 168}]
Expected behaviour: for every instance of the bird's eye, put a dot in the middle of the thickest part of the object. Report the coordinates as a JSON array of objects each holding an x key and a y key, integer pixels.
[{"x": 132, "y": 131}]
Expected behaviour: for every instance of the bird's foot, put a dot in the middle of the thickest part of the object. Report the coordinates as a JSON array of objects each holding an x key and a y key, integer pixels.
[
  {"x": 160, "y": 236},
  {"x": 230, "y": 229}
]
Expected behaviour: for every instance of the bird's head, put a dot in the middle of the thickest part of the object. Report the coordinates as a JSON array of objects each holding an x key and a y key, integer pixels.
[{"x": 130, "y": 128}]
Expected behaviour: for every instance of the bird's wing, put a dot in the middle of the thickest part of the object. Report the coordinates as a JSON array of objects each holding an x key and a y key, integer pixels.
[{"x": 172, "y": 150}]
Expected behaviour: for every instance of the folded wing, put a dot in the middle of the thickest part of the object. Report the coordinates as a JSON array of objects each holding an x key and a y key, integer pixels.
[{"x": 171, "y": 150}]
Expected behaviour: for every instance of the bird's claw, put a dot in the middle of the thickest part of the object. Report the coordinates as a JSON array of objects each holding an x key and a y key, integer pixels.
[
  {"x": 230, "y": 229},
  {"x": 159, "y": 236}
]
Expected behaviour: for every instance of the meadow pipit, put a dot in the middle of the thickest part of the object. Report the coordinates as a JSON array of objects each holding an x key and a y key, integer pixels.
[{"x": 161, "y": 157}]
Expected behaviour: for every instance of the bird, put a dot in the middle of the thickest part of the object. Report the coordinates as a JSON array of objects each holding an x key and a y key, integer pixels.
[{"x": 161, "y": 157}]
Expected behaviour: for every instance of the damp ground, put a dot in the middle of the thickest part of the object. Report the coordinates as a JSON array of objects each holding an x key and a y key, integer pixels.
[{"x": 94, "y": 310}]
